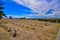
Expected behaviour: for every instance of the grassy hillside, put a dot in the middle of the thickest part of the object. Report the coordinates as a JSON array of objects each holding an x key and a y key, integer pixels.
[{"x": 28, "y": 29}]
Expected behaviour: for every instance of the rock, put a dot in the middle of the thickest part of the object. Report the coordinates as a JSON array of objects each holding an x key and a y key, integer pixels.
[
  {"x": 15, "y": 33},
  {"x": 9, "y": 29}
]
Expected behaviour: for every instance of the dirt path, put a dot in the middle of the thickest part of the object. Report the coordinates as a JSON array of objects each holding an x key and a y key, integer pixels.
[{"x": 58, "y": 36}]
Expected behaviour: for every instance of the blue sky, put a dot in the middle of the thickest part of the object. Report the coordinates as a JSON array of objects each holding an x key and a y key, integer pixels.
[{"x": 32, "y": 8}]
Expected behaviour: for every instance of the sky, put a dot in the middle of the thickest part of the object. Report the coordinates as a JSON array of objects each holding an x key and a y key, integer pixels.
[{"x": 32, "y": 8}]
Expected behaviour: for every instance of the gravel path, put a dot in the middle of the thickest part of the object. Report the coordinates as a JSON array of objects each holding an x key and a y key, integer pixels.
[{"x": 58, "y": 36}]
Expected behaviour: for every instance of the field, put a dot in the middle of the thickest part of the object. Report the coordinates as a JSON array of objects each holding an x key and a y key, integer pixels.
[{"x": 28, "y": 29}]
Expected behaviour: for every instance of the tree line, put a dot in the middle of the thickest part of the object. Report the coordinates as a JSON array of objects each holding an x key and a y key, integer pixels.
[{"x": 57, "y": 20}]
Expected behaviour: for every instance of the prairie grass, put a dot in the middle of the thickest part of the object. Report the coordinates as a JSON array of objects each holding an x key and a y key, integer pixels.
[{"x": 34, "y": 30}]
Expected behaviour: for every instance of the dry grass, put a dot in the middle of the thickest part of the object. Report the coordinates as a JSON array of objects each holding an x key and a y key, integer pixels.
[{"x": 28, "y": 30}]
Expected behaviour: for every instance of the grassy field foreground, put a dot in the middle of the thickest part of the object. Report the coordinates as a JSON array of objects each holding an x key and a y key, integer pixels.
[{"x": 28, "y": 29}]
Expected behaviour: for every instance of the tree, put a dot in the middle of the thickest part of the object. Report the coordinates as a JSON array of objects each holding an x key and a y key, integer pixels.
[
  {"x": 1, "y": 11},
  {"x": 10, "y": 17}
]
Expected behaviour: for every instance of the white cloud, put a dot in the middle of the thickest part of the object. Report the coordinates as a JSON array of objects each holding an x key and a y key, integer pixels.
[
  {"x": 39, "y": 6},
  {"x": 14, "y": 16}
]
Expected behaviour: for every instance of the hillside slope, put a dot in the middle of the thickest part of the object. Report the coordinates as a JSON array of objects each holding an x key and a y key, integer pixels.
[{"x": 27, "y": 29}]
